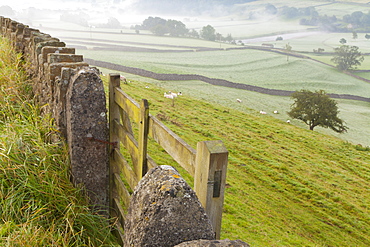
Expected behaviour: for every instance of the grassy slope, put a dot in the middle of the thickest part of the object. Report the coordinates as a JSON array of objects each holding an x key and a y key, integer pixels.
[
  {"x": 259, "y": 68},
  {"x": 38, "y": 204},
  {"x": 287, "y": 186}
]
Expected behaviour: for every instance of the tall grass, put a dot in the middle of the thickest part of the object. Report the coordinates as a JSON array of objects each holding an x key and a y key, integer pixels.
[{"x": 38, "y": 204}]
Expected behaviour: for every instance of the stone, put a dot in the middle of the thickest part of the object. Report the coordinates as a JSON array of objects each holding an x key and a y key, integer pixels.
[
  {"x": 165, "y": 211},
  {"x": 213, "y": 243},
  {"x": 87, "y": 134}
]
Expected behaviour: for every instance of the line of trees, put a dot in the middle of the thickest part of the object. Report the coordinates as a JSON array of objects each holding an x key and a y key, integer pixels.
[
  {"x": 160, "y": 27},
  {"x": 357, "y": 20}
]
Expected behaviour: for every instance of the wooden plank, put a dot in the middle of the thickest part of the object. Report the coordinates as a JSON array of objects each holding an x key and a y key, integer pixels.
[
  {"x": 128, "y": 141},
  {"x": 121, "y": 189},
  {"x": 118, "y": 233},
  {"x": 120, "y": 212},
  {"x": 122, "y": 166},
  {"x": 142, "y": 166},
  {"x": 127, "y": 104},
  {"x": 180, "y": 151},
  {"x": 210, "y": 180},
  {"x": 126, "y": 121}
]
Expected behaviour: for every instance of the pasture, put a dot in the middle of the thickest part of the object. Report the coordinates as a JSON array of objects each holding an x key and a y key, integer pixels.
[
  {"x": 259, "y": 68},
  {"x": 276, "y": 173}
]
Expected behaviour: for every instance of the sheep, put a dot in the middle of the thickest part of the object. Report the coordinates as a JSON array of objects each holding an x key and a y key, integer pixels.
[
  {"x": 263, "y": 112},
  {"x": 171, "y": 95},
  {"x": 122, "y": 78},
  {"x": 288, "y": 121},
  {"x": 276, "y": 112},
  {"x": 239, "y": 100}
]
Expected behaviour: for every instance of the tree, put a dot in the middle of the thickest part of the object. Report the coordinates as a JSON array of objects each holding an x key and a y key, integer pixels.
[
  {"x": 316, "y": 109},
  {"x": 193, "y": 33},
  {"x": 208, "y": 33},
  {"x": 176, "y": 28},
  {"x": 367, "y": 36},
  {"x": 347, "y": 57},
  {"x": 342, "y": 41}
]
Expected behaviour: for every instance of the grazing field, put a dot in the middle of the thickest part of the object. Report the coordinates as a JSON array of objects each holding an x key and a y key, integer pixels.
[
  {"x": 286, "y": 186},
  {"x": 355, "y": 113},
  {"x": 259, "y": 68}
]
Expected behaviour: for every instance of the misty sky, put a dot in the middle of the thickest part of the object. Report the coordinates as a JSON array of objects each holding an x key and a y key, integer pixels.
[{"x": 57, "y": 4}]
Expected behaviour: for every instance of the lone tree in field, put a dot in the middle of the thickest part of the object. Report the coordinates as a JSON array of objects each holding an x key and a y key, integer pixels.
[
  {"x": 347, "y": 57},
  {"x": 316, "y": 109}
]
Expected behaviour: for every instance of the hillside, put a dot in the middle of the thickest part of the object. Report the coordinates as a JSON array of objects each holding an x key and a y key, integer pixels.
[{"x": 286, "y": 186}]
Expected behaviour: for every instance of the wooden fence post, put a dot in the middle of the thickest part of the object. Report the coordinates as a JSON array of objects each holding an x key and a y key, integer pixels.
[
  {"x": 114, "y": 115},
  {"x": 142, "y": 166},
  {"x": 210, "y": 179}
]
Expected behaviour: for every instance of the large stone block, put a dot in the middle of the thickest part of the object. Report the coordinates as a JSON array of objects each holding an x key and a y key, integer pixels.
[
  {"x": 64, "y": 58},
  {"x": 86, "y": 115},
  {"x": 52, "y": 49},
  {"x": 164, "y": 211}
]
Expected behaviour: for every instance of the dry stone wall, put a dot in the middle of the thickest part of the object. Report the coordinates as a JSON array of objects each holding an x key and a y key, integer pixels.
[{"x": 72, "y": 93}]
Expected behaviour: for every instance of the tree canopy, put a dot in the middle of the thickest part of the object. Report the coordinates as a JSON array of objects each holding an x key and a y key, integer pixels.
[
  {"x": 347, "y": 57},
  {"x": 208, "y": 32},
  {"x": 316, "y": 109}
]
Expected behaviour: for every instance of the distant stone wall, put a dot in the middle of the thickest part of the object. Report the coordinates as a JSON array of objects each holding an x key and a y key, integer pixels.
[{"x": 72, "y": 93}]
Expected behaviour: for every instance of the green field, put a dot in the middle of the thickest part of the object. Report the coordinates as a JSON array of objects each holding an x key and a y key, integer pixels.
[
  {"x": 286, "y": 186},
  {"x": 264, "y": 69}
]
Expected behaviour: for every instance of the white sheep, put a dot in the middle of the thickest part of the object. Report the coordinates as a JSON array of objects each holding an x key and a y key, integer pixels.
[
  {"x": 263, "y": 112},
  {"x": 122, "y": 78},
  {"x": 276, "y": 112},
  {"x": 239, "y": 100},
  {"x": 171, "y": 95},
  {"x": 288, "y": 121}
]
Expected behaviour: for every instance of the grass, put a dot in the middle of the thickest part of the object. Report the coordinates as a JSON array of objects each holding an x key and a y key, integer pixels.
[
  {"x": 39, "y": 205},
  {"x": 286, "y": 186},
  {"x": 259, "y": 68}
]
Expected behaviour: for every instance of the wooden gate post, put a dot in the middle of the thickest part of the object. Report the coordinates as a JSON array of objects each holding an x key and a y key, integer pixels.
[
  {"x": 210, "y": 179},
  {"x": 114, "y": 115},
  {"x": 142, "y": 166}
]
